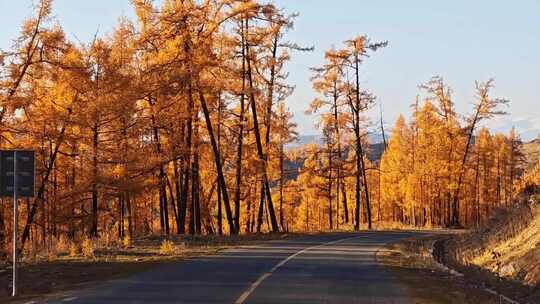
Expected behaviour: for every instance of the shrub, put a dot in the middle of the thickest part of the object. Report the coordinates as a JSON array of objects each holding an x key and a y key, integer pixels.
[
  {"x": 87, "y": 247},
  {"x": 61, "y": 246},
  {"x": 167, "y": 248},
  {"x": 126, "y": 242},
  {"x": 73, "y": 249}
]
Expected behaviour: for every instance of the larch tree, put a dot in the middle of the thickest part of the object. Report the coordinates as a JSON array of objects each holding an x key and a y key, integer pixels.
[
  {"x": 357, "y": 49},
  {"x": 329, "y": 82},
  {"x": 485, "y": 108}
]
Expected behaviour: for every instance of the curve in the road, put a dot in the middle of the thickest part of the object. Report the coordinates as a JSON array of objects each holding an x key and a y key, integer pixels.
[
  {"x": 253, "y": 286},
  {"x": 326, "y": 268}
]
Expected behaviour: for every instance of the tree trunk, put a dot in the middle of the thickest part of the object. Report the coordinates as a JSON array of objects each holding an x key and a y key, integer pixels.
[
  {"x": 178, "y": 194},
  {"x": 455, "y": 218},
  {"x": 219, "y": 210},
  {"x": 281, "y": 182},
  {"x": 95, "y": 143},
  {"x": 359, "y": 143},
  {"x": 248, "y": 211},
  {"x": 217, "y": 159},
  {"x": 129, "y": 211},
  {"x": 357, "y": 191},
  {"x": 345, "y": 205},
  {"x": 260, "y": 211},
  {"x": 240, "y": 135},
  {"x": 186, "y": 173},
  {"x": 330, "y": 215},
  {"x": 197, "y": 183},
  {"x": 194, "y": 221},
  {"x": 262, "y": 157}
]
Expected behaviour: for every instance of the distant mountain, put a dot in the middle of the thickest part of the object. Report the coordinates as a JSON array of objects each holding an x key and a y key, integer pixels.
[
  {"x": 531, "y": 150},
  {"x": 374, "y": 138},
  {"x": 376, "y": 147},
  {"x": 306, "y": 140},
  {"x": 375, "y": 152},
  {"x": 293, "y": 167}
]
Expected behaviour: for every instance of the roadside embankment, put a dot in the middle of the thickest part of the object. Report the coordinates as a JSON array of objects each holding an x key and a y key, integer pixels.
[
  {"x": 502, "y": 257},
  {"x": 508, "y": 246}
]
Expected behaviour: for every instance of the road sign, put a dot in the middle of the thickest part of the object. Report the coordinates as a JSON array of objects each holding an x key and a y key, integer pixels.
[
  {"x": 25, "y": 163},
  {"x": 17, "y": 179}
]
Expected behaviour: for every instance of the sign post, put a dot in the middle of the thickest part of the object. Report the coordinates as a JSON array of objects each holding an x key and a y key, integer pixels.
[
  {"x": 17, "y": 179},
  {"x": 15, "y": 223}
]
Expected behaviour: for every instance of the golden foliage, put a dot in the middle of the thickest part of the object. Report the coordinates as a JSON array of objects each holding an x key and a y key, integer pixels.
[
  {"x": 87, "y": 247},
  {"x": 167, "y": 247}
]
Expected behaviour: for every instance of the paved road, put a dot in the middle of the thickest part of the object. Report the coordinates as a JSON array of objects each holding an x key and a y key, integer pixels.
[{"x": 330, "y": 268}]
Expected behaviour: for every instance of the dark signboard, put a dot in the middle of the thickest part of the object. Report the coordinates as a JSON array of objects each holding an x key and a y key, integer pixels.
[{"x": 22, "y": 163}]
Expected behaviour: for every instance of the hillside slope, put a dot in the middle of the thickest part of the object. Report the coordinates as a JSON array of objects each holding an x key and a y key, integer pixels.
[
  {"x": 513, "y": 249},
  {"x": 508, "y": 245},
  {"x": 532, "y": 152}
]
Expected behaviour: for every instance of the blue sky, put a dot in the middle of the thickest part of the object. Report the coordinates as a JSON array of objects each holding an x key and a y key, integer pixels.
[{"x": 460, "y": 40}]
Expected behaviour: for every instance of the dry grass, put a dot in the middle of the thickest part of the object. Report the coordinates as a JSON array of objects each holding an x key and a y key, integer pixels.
[
  {"x": 513, "y": 251},
  {"x": 400, "y": 226}
]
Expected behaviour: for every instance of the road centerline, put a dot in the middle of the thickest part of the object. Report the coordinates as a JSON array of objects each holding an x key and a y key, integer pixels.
[{"x": 243, "y": 297}]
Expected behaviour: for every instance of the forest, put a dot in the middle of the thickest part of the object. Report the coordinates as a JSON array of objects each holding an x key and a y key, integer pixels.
[{"x": 178, "y": 123}]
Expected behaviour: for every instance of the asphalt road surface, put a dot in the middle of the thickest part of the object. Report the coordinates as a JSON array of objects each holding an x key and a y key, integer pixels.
[{"x": 328, "y": 268}]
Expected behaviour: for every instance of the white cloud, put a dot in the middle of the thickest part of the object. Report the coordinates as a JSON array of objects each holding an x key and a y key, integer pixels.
[{"x": 528, "y": 127}]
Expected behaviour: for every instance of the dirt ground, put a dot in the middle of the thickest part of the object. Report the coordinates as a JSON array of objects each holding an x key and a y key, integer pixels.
[
  {"x": 426, "y": 285},
  {"x": 66, "y": 272}
]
